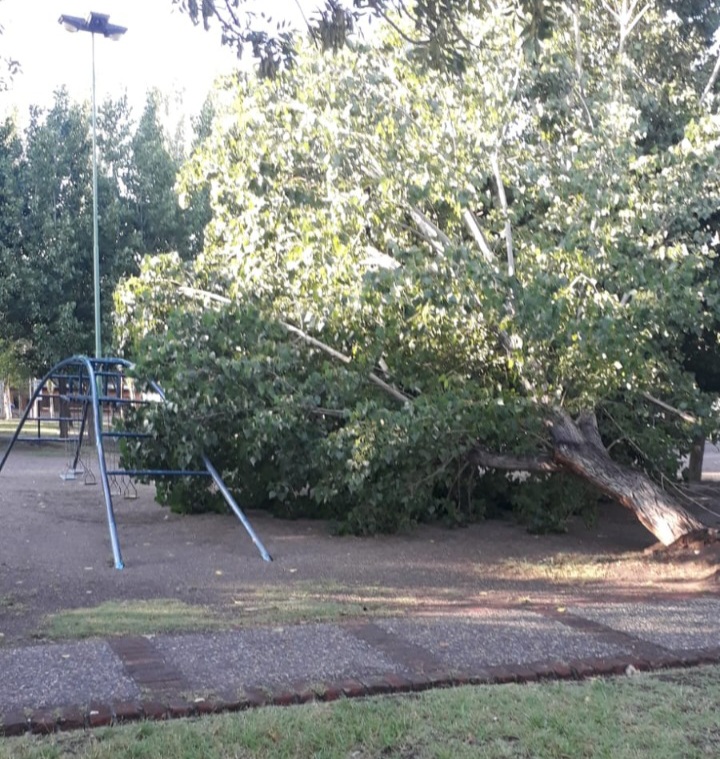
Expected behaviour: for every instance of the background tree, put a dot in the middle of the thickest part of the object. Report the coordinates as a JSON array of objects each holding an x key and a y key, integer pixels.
[
  {"x": 46, "y": 280},
  {"x": 48, "y": 301},
  {"x": 195, "y": 198},
  {"x": 151, "y": 182},
  {"x": 12, "y": 209}
]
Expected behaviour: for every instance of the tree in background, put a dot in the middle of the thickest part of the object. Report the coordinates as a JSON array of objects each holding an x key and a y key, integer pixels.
[
  {"x": 150, "y": 185},
  {"x": 46, "y": 278},
  {"x": 414, "y": 281},
  {"x": 49, "y": 300},
  {"x": 12, "y": 208},
  {"x": 161, "y": 221}
]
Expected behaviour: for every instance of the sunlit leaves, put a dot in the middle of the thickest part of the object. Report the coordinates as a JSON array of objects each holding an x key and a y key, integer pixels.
[{"x": 340, "y": 196}]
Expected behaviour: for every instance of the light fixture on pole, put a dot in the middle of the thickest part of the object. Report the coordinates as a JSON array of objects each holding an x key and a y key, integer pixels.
[{"x": 95, "y": 23}]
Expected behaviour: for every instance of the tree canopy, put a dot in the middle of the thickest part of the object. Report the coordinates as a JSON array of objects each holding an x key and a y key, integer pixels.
[
  {"x": 46, "y": 285},
  {"x": 414, "y": 279},
  {"x": 434, "y": 27}
]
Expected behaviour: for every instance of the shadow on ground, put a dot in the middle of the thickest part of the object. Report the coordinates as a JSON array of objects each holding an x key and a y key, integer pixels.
[{"x": 203, "y": 571}]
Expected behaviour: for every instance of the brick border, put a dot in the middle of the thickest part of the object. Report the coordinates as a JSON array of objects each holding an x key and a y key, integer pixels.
[
  {"x": 165, "y": 688},
  {"x": 146, "y": 665},
  {"x": 54, "y": 719}
]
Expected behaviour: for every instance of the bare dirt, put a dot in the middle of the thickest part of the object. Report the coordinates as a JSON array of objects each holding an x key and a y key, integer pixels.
[{"x": 55, "y": 555}]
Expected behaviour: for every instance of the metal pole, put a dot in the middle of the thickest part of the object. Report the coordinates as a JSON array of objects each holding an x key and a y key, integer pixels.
[
  {"x": 227, "y": 495},
  {"x": 96, "y": 248}
]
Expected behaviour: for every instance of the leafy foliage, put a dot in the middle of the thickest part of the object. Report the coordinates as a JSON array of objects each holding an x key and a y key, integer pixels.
[
  {"x": 46, "y": 281},
  {"x": 435, "y": 28},
  {"x": 494, "y": 246}
]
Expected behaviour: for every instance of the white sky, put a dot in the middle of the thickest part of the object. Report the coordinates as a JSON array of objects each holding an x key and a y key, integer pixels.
[{"x": 160, "y": 49}]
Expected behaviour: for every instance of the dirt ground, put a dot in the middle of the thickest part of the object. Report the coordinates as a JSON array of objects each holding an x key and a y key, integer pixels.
[{"x": 55, "y": 555}]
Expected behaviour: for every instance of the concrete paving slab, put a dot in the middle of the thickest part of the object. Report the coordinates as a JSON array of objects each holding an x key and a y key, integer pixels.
[
  {"x": 677, "y": 625},
  {"x": 72, "y": 673},
  {"x": 265, "y": 657},
  {"x": 499, "y": 637}
]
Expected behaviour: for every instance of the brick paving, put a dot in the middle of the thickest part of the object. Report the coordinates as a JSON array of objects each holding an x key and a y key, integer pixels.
[{"x": 70, "y": 686}]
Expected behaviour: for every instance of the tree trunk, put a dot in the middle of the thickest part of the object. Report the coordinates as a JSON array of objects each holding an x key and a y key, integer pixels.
[
  {"x": 4, "y": 405},
  {"x": 579, "y": 449},
  {"x": 64, "y": 411},
  {"x": 697, "y": 453}
]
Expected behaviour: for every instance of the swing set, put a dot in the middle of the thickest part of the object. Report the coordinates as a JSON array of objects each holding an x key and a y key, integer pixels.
[{"x": 92, "y": 396}]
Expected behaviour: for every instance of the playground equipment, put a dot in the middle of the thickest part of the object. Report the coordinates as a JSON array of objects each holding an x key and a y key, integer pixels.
[{"x": 90, "y": 395}]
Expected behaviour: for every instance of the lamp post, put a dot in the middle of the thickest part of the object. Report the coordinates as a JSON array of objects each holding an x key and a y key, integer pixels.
[{"x": 95, "y": 23}]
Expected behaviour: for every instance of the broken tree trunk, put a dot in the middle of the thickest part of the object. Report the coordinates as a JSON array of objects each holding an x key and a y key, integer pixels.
[{"x": 579, "y": 449}]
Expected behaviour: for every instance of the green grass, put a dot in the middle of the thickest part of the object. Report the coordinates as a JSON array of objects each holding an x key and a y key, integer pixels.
[
  {"x": 130, "y": 618},
  {"x": 664, "y": 716},
  {"x": 266, "y": 606},
  {"x": 304, "y": 602},
  {"x": 47, "y": 429}
]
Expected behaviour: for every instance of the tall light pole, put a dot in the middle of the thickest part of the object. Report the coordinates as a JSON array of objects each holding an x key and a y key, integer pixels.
[{"x": 95, "y": 23}]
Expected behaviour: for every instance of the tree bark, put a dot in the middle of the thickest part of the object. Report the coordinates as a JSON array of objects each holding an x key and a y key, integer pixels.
[
  {"x": 579, "y": 449},
  {"x": 697, "y": 453},
  {"x": 4, "y": 401},
  {"x": 64, "y": 408}
]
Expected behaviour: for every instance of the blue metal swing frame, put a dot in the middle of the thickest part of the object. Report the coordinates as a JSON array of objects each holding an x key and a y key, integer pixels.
[{"x": 94, "y": 377}]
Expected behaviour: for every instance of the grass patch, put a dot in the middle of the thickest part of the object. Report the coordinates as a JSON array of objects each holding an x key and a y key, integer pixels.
[
  {"x": 294, "y": 610},
  {"x": 47, "y": 428},
  {"x": 268, "y": 606},
  {"x": 263, "y": 605},
  {"x": 663, "y": 716},
  {"x": 9, "y": 425},
  {"x": 130, "y": 618},
  {"x": 303, "y": 602},
  {"x": 575, "y": 567}
]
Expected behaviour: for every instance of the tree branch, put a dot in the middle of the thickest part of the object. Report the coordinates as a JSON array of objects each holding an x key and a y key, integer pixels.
[
  {"x": 632, "y": 24},
  {"x": 333, "y": 412},
  {"x": 476, "y": 232},
  {"x": 579, "y": 71},
  {"x": 389, "y": 389},
  {"x": 504, "y": 205},
  {"x": 430, "y": 232},
  {"x": 372, "y": 377},
  {"x": 689, "y": 418},
  {"x": 712, "y": 80},
  {"x": 512, "y": 462},
  {"x": 377, "y": 258},
  {"x": 381, "y": 12},
  {"x": 192, "y": 292}
]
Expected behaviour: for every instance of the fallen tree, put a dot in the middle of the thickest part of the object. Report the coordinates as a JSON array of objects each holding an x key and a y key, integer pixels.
[
  {"x": 413, "y": 282},
  {"x": 579, "y": 449}
]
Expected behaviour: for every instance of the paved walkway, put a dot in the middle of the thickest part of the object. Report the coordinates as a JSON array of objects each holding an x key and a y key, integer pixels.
[{"x": 91, "y": 683}]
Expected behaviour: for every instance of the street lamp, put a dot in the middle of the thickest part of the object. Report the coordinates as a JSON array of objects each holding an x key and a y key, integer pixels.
[{"x": 95, "y": 23}]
